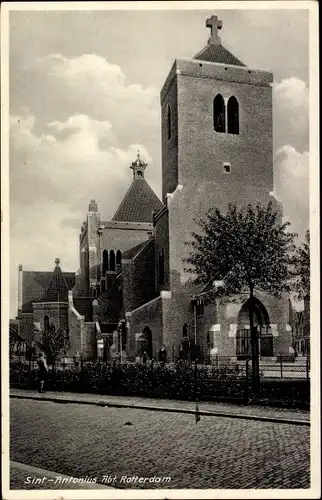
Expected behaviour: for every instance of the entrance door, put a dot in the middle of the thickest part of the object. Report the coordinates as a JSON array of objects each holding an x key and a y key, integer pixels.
[{"x": 266, "y": 345}]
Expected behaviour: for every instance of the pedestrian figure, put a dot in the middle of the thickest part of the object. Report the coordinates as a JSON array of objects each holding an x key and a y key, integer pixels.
[
  {"x": 144, "y": 358},
  {"x": 43, "y": 371},
  {"x": 163, "y": 355}
]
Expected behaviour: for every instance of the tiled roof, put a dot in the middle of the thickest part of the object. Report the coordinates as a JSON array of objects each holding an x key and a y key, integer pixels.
[
  {"x": 83, "y": 306},
  {"x": 138, "y": 204},
  {"x": 218, "y": 53},
  {"x": 35, "y": 284},
  {"x": 131, "y": 252},
  {"x": 57, "y": 290},
  {"x": 108, "y": 327}
]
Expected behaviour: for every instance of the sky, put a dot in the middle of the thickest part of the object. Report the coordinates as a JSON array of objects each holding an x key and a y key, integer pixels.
[{"x": 85, "y": 95}]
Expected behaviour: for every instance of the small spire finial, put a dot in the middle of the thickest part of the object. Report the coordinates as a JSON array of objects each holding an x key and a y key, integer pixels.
[
  {"x": 138, "y": 167},
  {"x": 57, "y": 261}
]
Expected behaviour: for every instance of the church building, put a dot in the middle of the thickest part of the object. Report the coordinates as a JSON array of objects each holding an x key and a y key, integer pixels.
[{"x": 131, "y": 293}]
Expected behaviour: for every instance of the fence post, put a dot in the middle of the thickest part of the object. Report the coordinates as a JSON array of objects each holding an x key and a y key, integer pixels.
[
  {"x": 281, "y": 363},
  {"x": 246, "y": 384},
  {"x": 217, "y": 361},
  {"x": 196, "y": 368},
  {"x": 173, "y": 353},
  {"x": 307, "y": 367}
]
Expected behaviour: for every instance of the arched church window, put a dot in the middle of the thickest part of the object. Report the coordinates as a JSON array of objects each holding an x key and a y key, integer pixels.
[
  {"x": 219, "y": 113},
  {"x": 118, "y": 259},
  {"x": 185, "y": 330},
  {"x": 169, "y": 122},
  {"x": 112, "y": 260},
  {"x": 233, "y": 116},
  {"x": 105, "y": 261}
]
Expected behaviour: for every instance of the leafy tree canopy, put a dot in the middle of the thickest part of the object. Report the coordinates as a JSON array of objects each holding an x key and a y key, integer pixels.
[
  {"x": 247, "y": 248},
  {"x": 301, "y": 284},
  {"x": 54, "y": 342}
]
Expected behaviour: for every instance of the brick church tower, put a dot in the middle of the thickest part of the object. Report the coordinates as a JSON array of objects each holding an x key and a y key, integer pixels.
[
  {"x": 216, "y": 137},
  {"x": 217, "y": 148}
]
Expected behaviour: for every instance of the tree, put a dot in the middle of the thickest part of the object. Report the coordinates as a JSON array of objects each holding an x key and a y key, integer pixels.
[
  {"x": 54, "y": 342},
  {"x": 244, "y": 249},
  {"x": 301, "y": 269}
]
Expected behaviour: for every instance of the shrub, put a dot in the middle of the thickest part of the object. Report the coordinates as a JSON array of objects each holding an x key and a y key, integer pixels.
[{"x": 176, "y": 381}]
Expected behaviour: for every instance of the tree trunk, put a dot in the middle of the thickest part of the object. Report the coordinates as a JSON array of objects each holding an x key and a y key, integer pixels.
[{"x": 254, "y": 345}]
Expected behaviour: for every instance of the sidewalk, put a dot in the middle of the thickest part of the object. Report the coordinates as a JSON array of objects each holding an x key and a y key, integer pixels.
[{"x": 263, "y": 413}]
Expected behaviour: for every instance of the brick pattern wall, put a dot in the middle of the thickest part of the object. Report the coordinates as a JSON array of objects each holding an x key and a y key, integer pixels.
[
  {"x": 150, "y": 315},
  {"x": 123, "y": 239},
  {"x": 88, "y": 344},
  {"x": 169, "y": 146},
  {"x": 139, "y": 278},
  {"x": 162, "y": 244},
  {"x": 57, "y": 313}
]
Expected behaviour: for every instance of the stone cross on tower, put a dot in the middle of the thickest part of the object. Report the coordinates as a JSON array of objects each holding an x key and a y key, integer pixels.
[{"x": 214, "y": 24}]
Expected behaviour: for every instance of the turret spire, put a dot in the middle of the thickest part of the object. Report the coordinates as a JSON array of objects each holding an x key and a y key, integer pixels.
[{"x": 138, "y": 167}]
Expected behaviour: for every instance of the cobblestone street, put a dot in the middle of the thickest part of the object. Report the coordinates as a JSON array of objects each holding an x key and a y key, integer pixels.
[{"x": 218, "y": 452}]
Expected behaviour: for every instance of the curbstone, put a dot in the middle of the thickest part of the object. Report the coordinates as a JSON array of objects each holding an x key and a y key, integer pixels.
[{"x": 108, "y": 404}]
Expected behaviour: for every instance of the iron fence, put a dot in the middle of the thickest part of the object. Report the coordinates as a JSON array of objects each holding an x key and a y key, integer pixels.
[{"x": 282, "y": 383}]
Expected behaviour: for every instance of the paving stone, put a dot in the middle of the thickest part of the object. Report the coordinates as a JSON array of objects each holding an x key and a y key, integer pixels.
[{"x": 218, "y": 452}]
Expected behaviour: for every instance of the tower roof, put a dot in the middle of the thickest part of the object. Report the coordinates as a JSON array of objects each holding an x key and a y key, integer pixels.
[
  {"x": 140, "y": 201},
  {"x": 214, "y": 51},
  {"x": 218, "y": 54},
  {"x": 57, "y": 290}
]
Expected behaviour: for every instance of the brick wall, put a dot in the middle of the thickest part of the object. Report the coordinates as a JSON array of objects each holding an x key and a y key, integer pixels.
[
  {"x": 193, "y": 157},
  {"x": 138, "y": 277},
  {"x": 149, "y": 315},
  {"x": 88, "y": 345},
  {"x": 169, "y": 146},
  {"x": 162, "y": 243},
  {"x": 76, "y": 324},
  {"x": 57, "y": 313},
  {"x": 117, "y": 238}
]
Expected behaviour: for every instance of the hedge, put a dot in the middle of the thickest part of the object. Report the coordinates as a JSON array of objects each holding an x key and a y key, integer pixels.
[{"x": 175, "y": 381}]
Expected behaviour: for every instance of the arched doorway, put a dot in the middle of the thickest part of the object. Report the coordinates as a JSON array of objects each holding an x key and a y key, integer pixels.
[
  {"x": 146, "y": 343},
  {"x": 261, "y": 323}
]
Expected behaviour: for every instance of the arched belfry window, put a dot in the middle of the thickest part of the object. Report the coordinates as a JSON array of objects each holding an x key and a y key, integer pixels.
[
  {"x": 233, "y": 116},
  {"x": 169, "y": 122},
  {"x": 219, "y": 113},
  {"x": 118, "y": 259},
  {"x": 105, "y": 261},
  {"x": 112, "y": 260}
]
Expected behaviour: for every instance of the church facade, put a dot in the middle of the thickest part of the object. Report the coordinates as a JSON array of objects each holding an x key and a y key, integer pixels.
[{"x": 131, "y": 293}]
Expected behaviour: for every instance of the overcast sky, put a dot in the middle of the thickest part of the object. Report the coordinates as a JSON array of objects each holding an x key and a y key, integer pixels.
[{"x": 84, "y": 96}]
